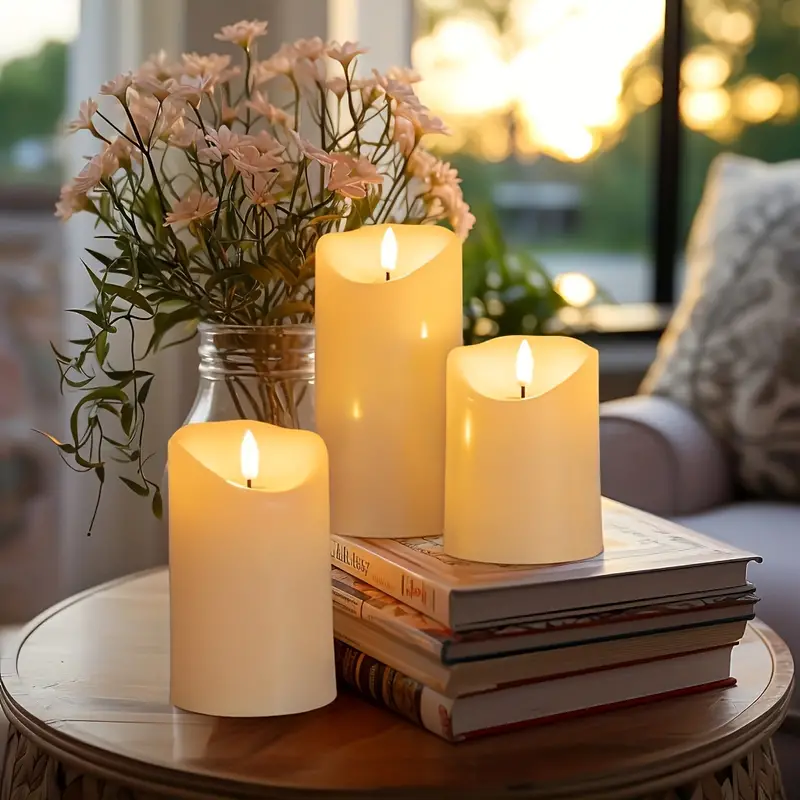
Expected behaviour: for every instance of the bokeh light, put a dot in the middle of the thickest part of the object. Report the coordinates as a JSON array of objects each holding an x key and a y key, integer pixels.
[
  {"x": 577, "y": 289},
  {"x": 757, "y": 99},
  {"x": 703, "y": 109}
]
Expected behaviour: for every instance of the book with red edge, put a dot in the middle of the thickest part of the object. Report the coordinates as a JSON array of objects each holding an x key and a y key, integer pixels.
[{"x": 534, "y": 702}]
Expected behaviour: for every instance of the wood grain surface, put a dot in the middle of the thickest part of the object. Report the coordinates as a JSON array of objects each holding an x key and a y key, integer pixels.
[{"x": 88, "y": 684}]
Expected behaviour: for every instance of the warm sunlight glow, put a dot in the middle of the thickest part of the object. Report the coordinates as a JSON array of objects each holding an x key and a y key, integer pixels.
[
  {"x": 705, "y": 68},
  {"x": 647, "y": 87},
  {"x": 389, "y": 251},
  {"x": 524, "y": 364},
  {"x": 249, "y": 457},
  {"x": 702, "y": 110},
  {"x": 757, "y": 100},
  {"x": 576, "y": 288},
  {"x": 464, "y": 66},
  {"x": 27, "y": 26},
  {"x": 562, "y": 73}
]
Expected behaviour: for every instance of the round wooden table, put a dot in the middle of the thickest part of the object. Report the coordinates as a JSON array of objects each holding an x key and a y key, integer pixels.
[{"x": 86, "y": 692}]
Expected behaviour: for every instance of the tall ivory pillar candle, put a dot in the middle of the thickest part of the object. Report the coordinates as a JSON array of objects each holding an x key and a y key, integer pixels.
[
  {"x": 251, "y": 630},
  {"x": 523, "y": 455},
  {"x": 388, "y": 311}
]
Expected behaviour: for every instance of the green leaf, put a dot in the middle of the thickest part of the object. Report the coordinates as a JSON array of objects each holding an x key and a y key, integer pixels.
[
  {"x": 131, "y": 296},
  {"x": 101, "y": 473},
  {"x": 220, "y": 277},
  {"x": 259, "y": 273},
  {"x": 297, "y": 307},
  {"x": 60, "y": 357},
  {"x": 83, "y": 462},
  {"x": 101, "y": 393},
  {"x": 126, "y": 418},
  {"x": 126, "y": 375},
  {"x": 144, "y": 390},
  {"x": 92, "y": 316},
  {"x": 98, "y": 283},
  {"x": 101, "y": 346},
  {"x": 158, "y": 505},
  {"x": 77, "y": 384},
  {"x": 105, "y": 260},
  {"x": 62, "y": 446},
  {"x": 164, "y": 322},
  {"x": 142, "y": 491}
]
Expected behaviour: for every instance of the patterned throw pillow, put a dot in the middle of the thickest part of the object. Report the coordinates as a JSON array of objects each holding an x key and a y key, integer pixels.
[{"x": 732, "y": 351}]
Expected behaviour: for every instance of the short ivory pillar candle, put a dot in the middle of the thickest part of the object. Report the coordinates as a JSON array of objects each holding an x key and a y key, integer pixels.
[
  {"x": 388, "y": 311},
  {"x": 251, "y": 630},
  {"x": 523, "y": 456}
]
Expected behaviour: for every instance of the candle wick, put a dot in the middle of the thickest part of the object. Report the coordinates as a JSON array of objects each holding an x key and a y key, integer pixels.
[
  {"x": 522, "y": 391},
  {"x": 249, "y": 483},
  {"x": 387, "y": 275}
]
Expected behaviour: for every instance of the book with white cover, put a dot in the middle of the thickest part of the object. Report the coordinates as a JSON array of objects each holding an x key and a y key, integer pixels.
[
  {"x": 645, "y": 557},
  {"x": 381, "y": 613}
]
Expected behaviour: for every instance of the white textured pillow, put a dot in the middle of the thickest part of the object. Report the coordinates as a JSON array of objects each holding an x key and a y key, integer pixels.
[{"x": 732, "y": 350}]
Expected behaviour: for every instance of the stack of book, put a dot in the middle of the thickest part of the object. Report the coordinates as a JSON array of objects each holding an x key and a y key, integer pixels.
[{"x": 465, "y": 649}]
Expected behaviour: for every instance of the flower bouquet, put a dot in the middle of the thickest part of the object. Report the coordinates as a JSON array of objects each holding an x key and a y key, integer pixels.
[{"x": 213, "y": 182}]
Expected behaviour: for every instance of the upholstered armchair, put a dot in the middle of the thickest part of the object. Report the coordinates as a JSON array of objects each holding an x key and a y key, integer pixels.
[{"x": 657, "y": 455}]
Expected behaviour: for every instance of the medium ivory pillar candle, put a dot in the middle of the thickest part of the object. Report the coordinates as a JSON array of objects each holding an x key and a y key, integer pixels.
[
  {"x": 251, "y": 630},
  {"x": 388, "y": 311},
  {"x": 523, "y": 455}
]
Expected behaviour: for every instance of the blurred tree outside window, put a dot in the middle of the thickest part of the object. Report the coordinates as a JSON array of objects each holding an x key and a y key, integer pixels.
[
  {"x": 32, "y": 103},
  {"x": 554, "y": 106}
]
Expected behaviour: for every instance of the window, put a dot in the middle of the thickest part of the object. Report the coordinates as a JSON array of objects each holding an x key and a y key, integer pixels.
[
  {"x": 560, "y": 125},
  {"x": 554, "y": 108},
  {"x": 33, "y": 60}
]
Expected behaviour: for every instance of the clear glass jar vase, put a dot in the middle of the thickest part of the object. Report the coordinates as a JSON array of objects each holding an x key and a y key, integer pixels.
[{"x": 263, "y": 373}]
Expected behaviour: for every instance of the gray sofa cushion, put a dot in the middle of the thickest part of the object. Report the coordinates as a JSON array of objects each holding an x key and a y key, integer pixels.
[
  {"x": 772, "y": 530},
  {"x": 730, "y": 353}
]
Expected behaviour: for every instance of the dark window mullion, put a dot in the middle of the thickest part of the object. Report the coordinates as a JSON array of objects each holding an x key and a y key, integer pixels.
[{"x": 668, "y": 165}]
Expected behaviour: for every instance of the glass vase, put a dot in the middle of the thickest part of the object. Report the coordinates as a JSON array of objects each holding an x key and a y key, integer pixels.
[{"x": 263, "y": 373}]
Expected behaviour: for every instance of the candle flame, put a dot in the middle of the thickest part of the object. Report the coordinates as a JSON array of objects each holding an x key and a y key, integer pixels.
[
  {"x": 389, "y": 251},
  {"x": 249, "y": 457},
  {"x": 524, "y": 364}
]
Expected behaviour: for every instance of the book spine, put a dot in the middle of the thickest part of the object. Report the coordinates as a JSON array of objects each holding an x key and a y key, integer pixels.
[
  {"x": 394, "y": 691},
  {"x": 383, "y": 618},
  {"x": 415, "y": 591}
]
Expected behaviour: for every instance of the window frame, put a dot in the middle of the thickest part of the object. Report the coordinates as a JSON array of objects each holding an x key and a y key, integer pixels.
[{"x": 668, "y": 159}]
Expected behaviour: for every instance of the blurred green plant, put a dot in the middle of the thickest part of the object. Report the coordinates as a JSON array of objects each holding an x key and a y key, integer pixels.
[{"x": 505, "y": 291}]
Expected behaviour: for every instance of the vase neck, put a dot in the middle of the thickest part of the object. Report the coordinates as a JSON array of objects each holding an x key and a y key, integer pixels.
[{"x": 270, "y": 351}]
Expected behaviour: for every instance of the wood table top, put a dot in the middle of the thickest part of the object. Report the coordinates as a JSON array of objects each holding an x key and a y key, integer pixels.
[{"x": 88, "y": 682}]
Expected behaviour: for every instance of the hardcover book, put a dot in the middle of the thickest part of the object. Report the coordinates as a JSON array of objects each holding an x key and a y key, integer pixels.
[
  {"x": 645, "y": 558},
  {"x": 383, "y": 614},
  {"x": 508, "y": 708}
]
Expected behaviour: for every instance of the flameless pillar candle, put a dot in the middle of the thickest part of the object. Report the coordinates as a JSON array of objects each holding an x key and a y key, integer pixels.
[
  {"x": 523, "y": 456},
  {"x": 388, "y": 311},
  {"x": 249, "y": 559}
]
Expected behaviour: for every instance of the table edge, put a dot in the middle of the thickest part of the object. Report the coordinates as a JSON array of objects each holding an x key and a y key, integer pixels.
[{"x": 128, "y": 771}]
